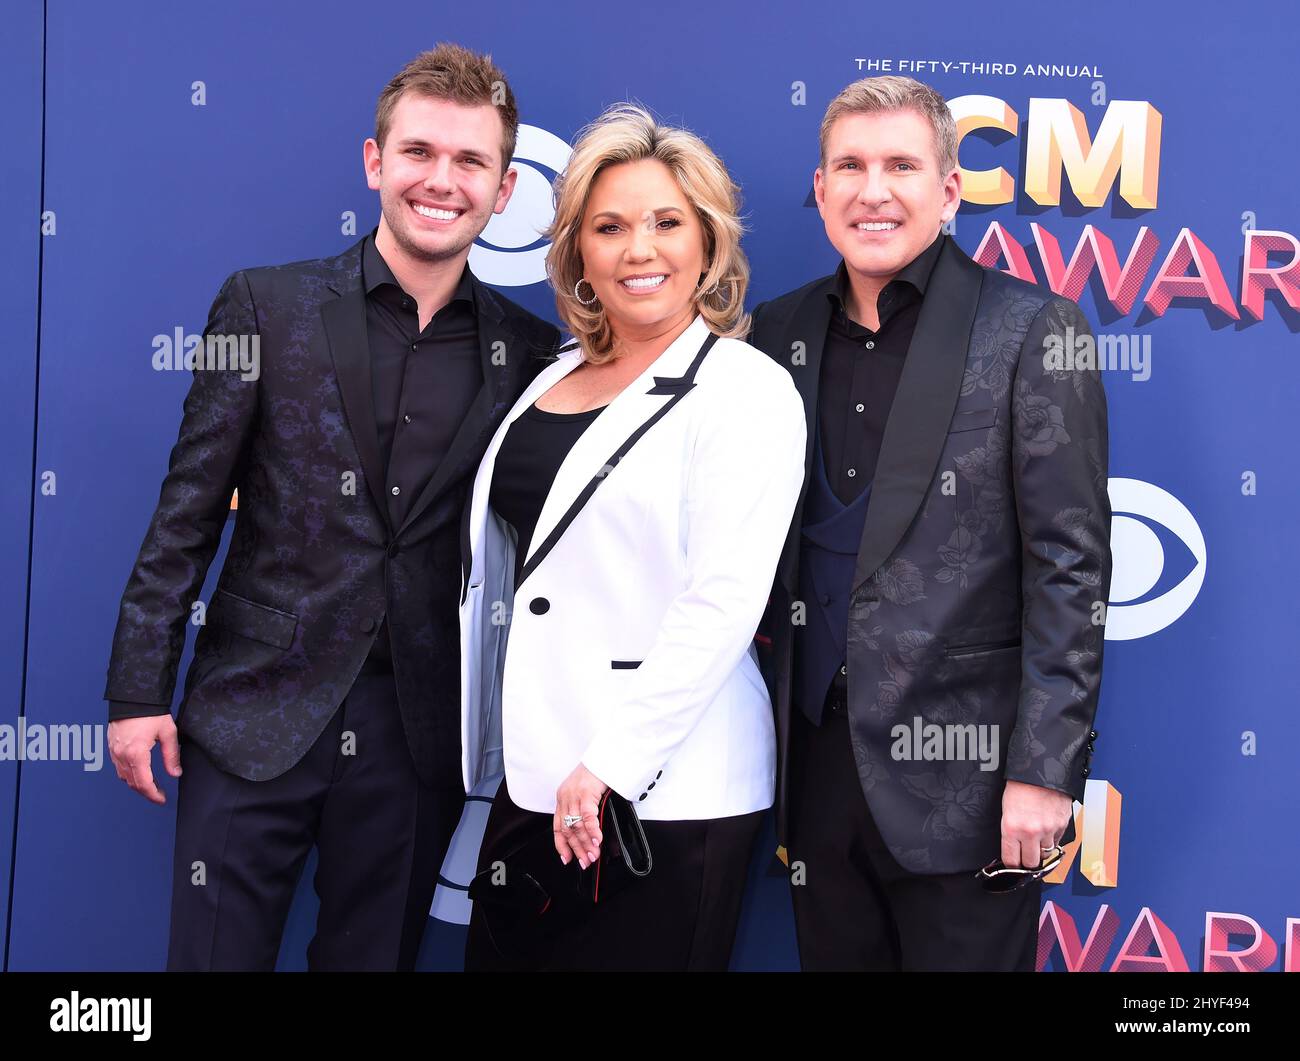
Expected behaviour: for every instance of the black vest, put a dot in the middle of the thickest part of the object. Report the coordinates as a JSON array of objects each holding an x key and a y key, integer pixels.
[{"x": 828, "y": 551}]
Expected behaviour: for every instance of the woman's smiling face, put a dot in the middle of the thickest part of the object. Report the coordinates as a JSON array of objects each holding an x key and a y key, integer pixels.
[{"x": 642, "y": 246}]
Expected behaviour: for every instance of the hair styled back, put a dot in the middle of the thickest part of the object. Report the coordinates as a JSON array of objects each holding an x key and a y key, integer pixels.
[
  {"x": 627, "y": 132},
  {"x": 457, "y": 75},
  {"x": 874, "y": 95}
]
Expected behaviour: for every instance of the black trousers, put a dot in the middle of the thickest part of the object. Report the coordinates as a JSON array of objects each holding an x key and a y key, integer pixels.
[
  {"x": 380, "y": 835},
  {"x": 681, "y": 917},
  {"x": 857, "y": 908}
]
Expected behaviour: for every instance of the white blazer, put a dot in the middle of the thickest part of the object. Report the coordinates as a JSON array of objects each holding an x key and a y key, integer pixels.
[{"x": 630, "y": 646}]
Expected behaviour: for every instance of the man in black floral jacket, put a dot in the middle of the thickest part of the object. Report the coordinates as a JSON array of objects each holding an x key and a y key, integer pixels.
[
  {"x": 934, "y": 639},
  {"x": 322, "y": 707}
]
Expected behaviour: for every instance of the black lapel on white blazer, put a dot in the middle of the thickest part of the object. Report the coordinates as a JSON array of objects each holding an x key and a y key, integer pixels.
[
  {"x": 466, "y": 548},
  {"x": 677, "y": 387}
]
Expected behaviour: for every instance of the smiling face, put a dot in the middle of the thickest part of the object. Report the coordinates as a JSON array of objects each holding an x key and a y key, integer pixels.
[
  {"x": 881, "y": 193},
  {"x": 439, "y": 177},
  {"x": 642, "y": 247}
]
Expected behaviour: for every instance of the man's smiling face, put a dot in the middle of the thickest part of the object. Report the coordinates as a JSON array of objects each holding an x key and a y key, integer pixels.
[
  {"x": 881, "y": 194},
  {"x": 439, "y": 177}
]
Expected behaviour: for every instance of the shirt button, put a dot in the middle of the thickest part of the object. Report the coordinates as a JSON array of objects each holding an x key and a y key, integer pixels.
[
  {"x": 851, "y": 472},
  {"x": 844, "y": 669},
  {"x": 396, "y": 491},
  {"x": 860, "y": 407},
  {"x": 406, "y": 419},
  {"x": 871, "y": 344}
]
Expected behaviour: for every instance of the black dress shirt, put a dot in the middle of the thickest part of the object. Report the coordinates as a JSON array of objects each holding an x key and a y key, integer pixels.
[
  {"x": 860, "y": 371},
  {"x": 423, "y": 382},
  {"x": 428, "y": 394}
]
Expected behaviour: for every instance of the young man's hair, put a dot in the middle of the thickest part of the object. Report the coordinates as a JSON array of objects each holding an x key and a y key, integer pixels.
[
  {"x": 875, "y": 95},
  {"x": 457, "y": 75}
]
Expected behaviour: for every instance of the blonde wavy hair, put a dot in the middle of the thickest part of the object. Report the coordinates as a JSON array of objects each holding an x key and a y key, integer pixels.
[{"x": 627, "y": 132}]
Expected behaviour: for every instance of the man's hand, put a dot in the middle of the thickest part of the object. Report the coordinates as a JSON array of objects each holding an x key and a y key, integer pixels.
[
  {"x": 130, "y": 743},
  {"x": 579, "y": 795},
  {"x": 1033, "y": 820}
]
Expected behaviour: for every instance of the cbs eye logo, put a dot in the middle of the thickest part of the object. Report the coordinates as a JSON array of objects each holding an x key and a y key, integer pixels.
[
  {"x": 511, "y": 252},
  {"x": 1146, "y": 592}
]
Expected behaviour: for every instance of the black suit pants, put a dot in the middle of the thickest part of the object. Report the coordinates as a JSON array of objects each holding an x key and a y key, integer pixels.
[
  {"x": 380, "y": 836},
  {"x": 856, "y": 908}
]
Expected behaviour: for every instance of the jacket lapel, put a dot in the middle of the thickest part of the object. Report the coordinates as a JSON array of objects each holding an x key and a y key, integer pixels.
[
  {"x": 344, "y": 319},
  {"x": 808, "y": 326},
  {"x": 638, "y": 403},
  {"x": 923, "y": 406},
  {"x": 475, "y": 517}
]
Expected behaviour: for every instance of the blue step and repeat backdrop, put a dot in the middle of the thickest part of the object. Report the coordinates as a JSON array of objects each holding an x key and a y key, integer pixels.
[{"x": 1139, "y": 159}]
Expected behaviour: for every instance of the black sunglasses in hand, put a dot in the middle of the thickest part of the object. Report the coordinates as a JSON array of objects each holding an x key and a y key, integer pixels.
[{"x": 999, "y": 878}]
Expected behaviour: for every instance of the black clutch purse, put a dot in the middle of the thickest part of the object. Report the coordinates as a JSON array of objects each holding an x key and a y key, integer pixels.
[
  {"x": 531, "y": 879},
  {"x": 528, "y": 896},
  {"x": 624, "y": 851}
]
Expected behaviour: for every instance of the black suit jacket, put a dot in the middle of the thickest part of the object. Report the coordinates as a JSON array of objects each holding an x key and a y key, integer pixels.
[
  {"x": 984, "y": 564},
  {"x": 314, "y": 565}
]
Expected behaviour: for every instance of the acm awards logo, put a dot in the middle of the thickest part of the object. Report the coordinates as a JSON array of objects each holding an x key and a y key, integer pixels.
[
  {"x": 1122, "y": 156},
  {"x": 1151, "y": 946}
]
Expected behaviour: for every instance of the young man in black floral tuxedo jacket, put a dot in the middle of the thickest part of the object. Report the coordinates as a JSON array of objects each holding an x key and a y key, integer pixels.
[
  {"x": 323, "y": 704},
  {"x": 933, "y": 644}
]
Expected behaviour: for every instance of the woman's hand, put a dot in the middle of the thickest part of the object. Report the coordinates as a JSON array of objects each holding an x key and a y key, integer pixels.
[{"x": 579, "y": 796}]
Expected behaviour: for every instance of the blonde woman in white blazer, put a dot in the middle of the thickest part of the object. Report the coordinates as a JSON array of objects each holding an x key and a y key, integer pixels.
[{"x": 623, "y": 532}]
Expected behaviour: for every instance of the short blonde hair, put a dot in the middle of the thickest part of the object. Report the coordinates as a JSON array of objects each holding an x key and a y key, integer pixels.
[
  {"x": 873, "y": 95},
  {"x": 627, "y": 132}
]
